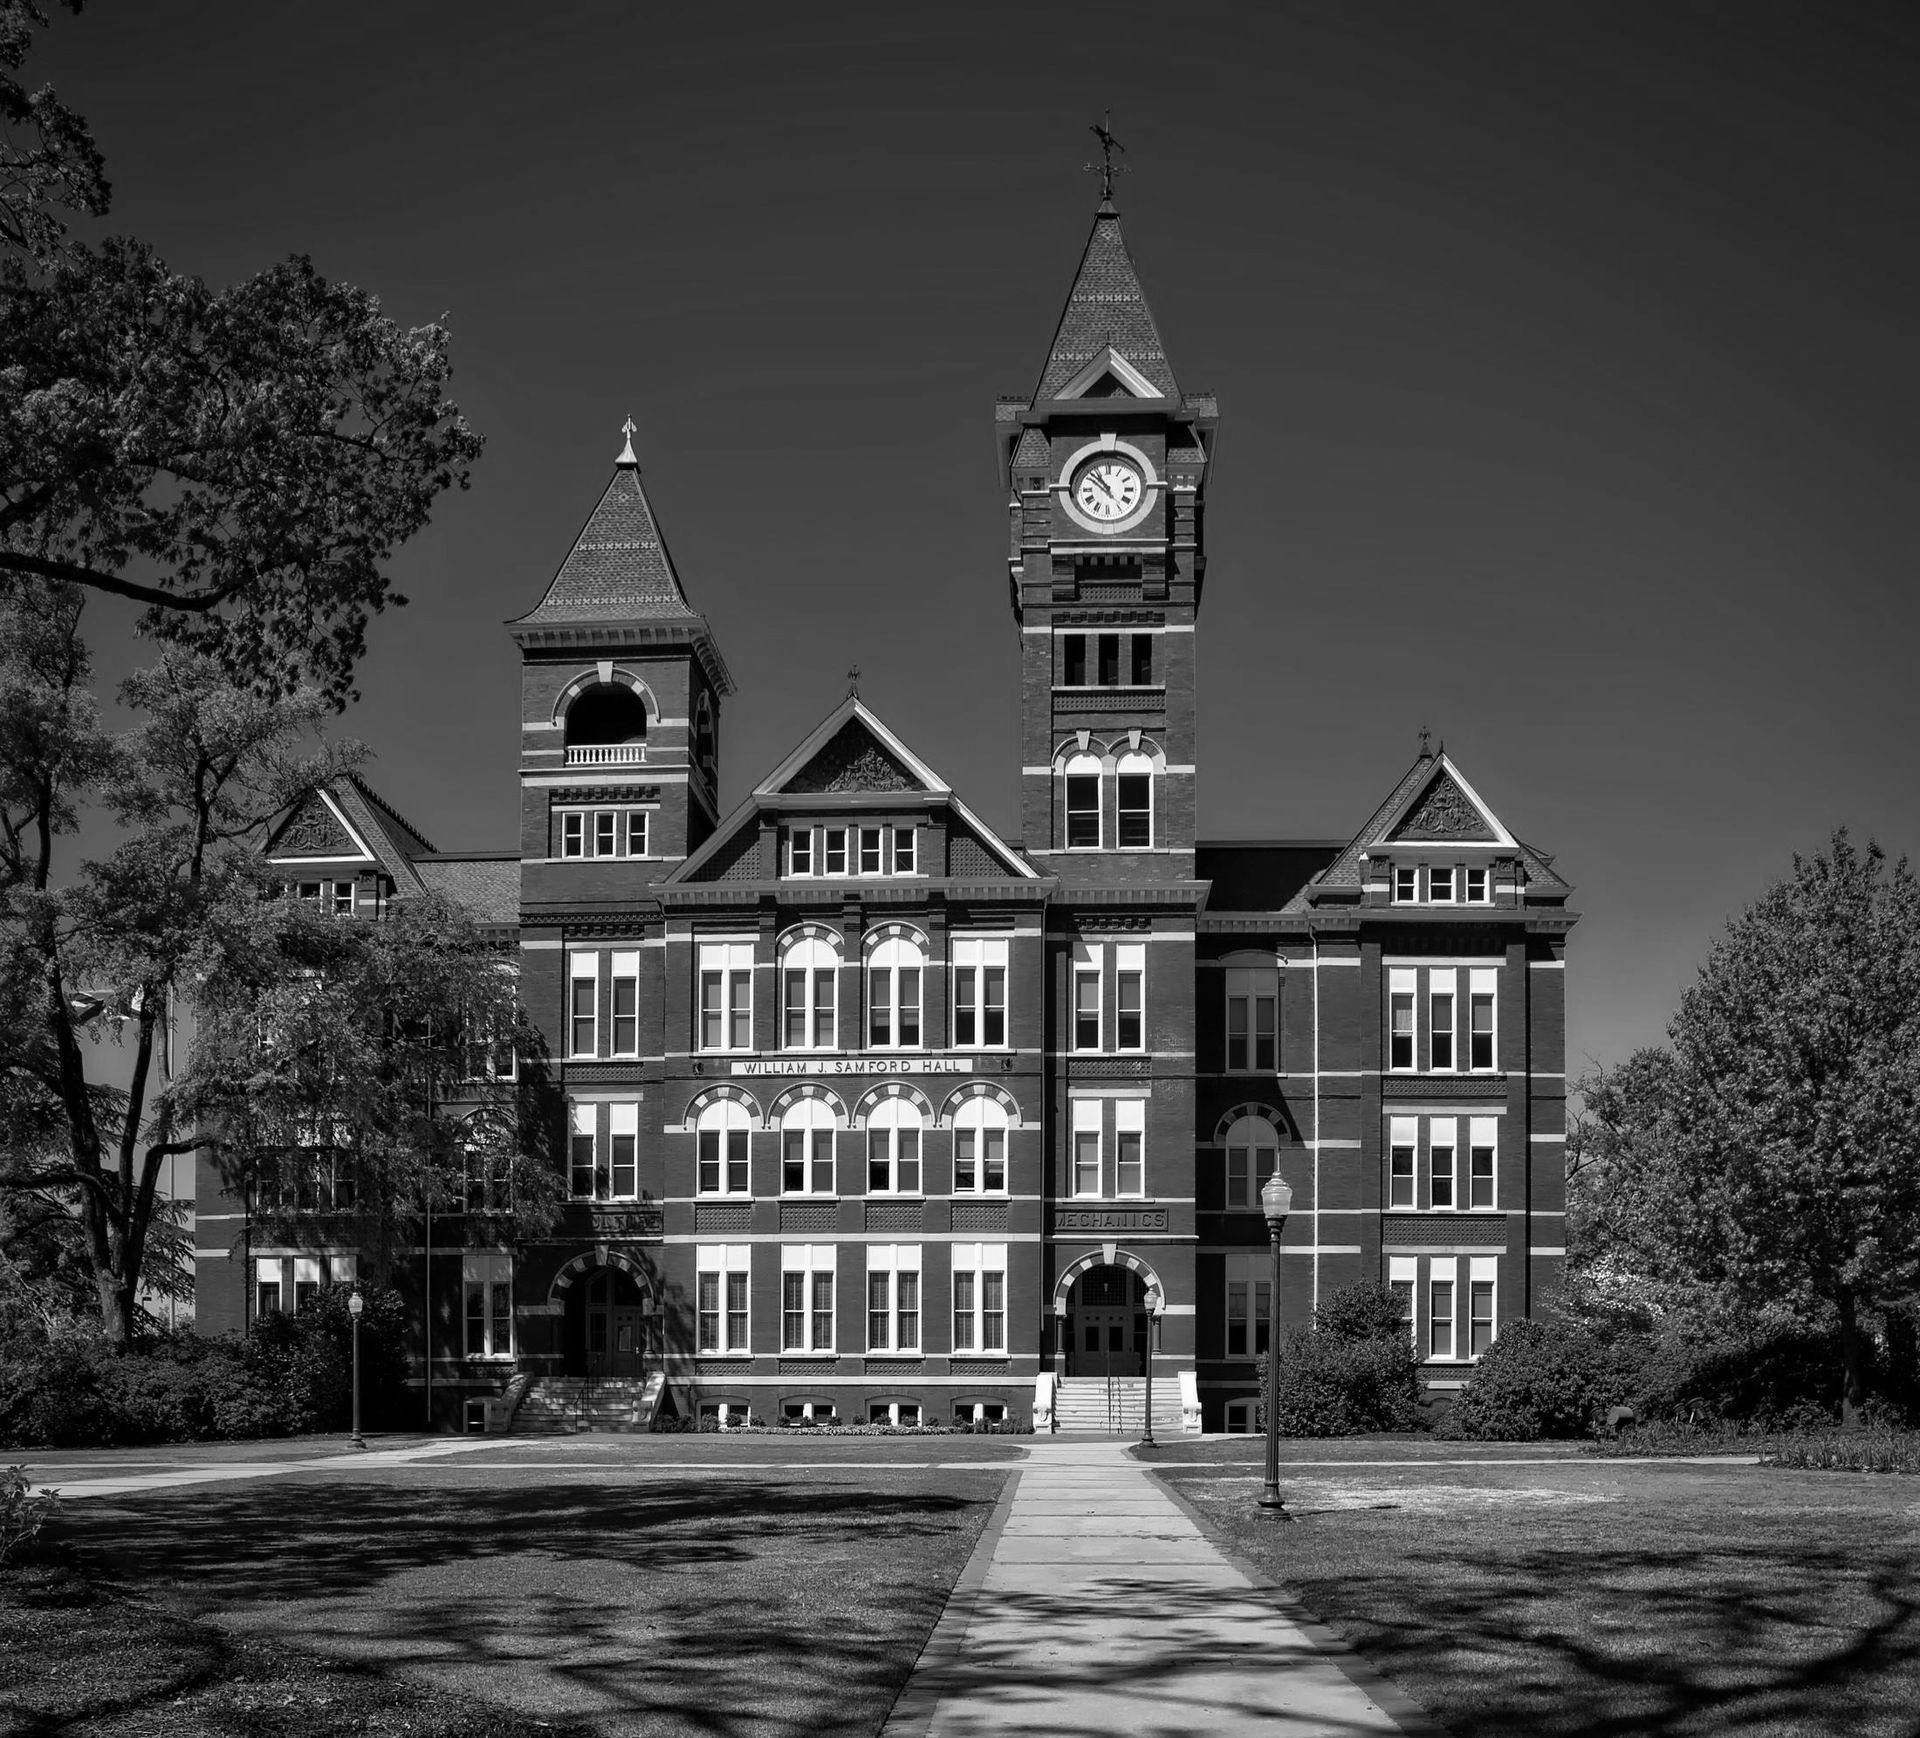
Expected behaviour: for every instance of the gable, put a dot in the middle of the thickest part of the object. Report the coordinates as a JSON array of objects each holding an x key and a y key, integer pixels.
[
  {"x": 733, "y": 857},
  {"x": 853, "y": 759},
  {"x": 1444, "y": 811},
  {"x": 1109, "y": 375},
  {"x": 970, "y": 859},
  {"x": 317, "y": 831}
]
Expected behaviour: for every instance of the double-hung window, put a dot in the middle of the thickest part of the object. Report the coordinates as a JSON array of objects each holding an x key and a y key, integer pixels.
[
  {"x": 1443, "y": 1157},
  {"x": 581, "y": 1152},
  {"x": 1253, "y": 1149},
  {"x": 1130, "y": 996},
  {"x": 1406, "y": 884},
  {"x": 722, "y": 1138},
  {"x": 726, "y": 995},
  {"x": 1403, "y": 1154},
  {"x": 267, "y": 1284},
  {"x": 1130, "y": 1146},
  {"x": 1253, "y": 1019},
  {"x": 1483, "y": 1140},
  {"x": 1482, "y": 1277},
  {"x": 980, "y": 1297},
  {"x": 807, "y": 1275},
  {"x": 1088, "y": 959},
  {"x": 1083, "y": 802},
  {"x": 623, "y": 1151},
  {"x": 1249, "y": 1306},
  {"x": 603, "y": 832},
  {"x": 893, "y": 1148},
  {"x": 487, "y": 1278},
  {"x": 806, "y": 1149},
  {"x": 1440, "y": 1308},
  {"x": 980, "y": 1148},
  {"x": 721, "y": 1293},
  {"x": 1441, "y": 997},
  {"x": 1440, "y": 885},
  {"x": 893, "y": 1297},
  {"x": 1133, "y": 792},
  {"x": 583, "y": 1004},
  {"x": 1475, "y": 892},
  {"x": 1086, "y": 1146},
  {"x": 871, "y": 841},
  {"x": 1403, "y": 1277},
  {"x": 979, "y": 992},
  {"x": 1403, "y": 989},
  {"x": 625, "y": 974},
  {"x": 895, "y": 971},
  {"x": 809, "y": 978},
  {"x": 1482, "y": 991}
]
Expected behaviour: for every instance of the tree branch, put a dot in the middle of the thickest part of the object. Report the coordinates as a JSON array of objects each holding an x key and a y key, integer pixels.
[{"x": 75, "y": 573}]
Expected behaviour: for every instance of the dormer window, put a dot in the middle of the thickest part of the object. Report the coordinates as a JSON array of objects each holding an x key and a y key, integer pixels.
[
  {"x": 1475, "y": 892},
  {"x": 1440, "y": 886},
  {"x": 847, "y": 851},
  {"x": 1406, "y": 884}
]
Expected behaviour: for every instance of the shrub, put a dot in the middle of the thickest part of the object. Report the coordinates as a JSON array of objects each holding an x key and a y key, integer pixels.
[
  {"x": 1545, "y": 1378},
  {"x": 22, "y": 1515},
  {"x": 1353, "y": 1372}
]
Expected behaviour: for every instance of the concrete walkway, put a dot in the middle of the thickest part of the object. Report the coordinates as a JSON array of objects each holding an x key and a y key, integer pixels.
[
  {"x": 171, "y": 1476},
  {"x": 1093, "y": 1604}
]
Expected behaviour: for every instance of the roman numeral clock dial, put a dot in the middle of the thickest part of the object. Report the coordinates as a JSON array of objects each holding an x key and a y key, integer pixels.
[{"x": 1108, "y": 489}]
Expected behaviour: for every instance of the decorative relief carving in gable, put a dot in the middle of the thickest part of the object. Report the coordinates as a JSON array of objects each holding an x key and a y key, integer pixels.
[
  {"x": 1445, "y": 812},
  {"x": 852, "y": 761},
  {"x": 313, "y": 832}
]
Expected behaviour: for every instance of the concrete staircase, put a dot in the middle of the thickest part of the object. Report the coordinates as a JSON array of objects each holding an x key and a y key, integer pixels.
[
  {"x": 1117, "y": 1406},
  {"x": 565, "y": 1405}
]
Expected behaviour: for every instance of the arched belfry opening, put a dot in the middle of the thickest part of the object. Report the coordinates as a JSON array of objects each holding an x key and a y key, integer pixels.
[{"x": 609, "y": 714}]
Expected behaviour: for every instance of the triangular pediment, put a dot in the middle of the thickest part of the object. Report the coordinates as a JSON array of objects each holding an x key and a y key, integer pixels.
[
  {"x": 1445, "y": 808},
  {"x": 1110, "y": 375},
  {"x": 317, "y": 832},
  {"x": 853, "y": 760}
]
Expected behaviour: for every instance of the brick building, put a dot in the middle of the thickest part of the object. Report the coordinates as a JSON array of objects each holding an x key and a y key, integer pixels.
[{"x": 876, "y": 1113}]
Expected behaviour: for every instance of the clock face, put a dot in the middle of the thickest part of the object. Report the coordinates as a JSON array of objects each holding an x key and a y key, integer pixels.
[{"x": 1108, "y": 488}]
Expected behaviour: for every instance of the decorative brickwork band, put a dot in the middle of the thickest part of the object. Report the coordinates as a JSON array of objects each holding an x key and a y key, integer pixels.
[
  {"x": 894, "y": 1215},
  {"x": 715, "y": 1218}
]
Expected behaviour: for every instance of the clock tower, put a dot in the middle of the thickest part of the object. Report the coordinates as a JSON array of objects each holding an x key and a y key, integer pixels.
[{"x": 1106, "y": 465}]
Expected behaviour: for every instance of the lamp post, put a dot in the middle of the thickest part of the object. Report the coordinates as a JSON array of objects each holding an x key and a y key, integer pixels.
[
  {"x": 355, "y": 1306},
  {"x": 1155, "y": 1304},
  {"x": 1275, "y": 1201}
]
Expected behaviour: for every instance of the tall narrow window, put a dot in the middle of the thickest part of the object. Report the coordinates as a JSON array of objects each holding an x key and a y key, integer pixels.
[
  {"x": 1109, "y": 660},
  {"x": 903, "y": 852},
  {"x": 1476, "y": 888},
  {"x": 1130, "y": 1145},
  {"x": 893, "y": 1297},
  {"x": 583, "y": 993},
  {"x": 800, "y": 851},
  {"x": 623, "y": 1151},
  {"x": 1403, "y": 1275},
  {"x": 1087, "y": 964},
  {"x": 1440, "y": 1313},
  {"x": 894, "y": 972},
  {"x": 980, "y": 1148},
  {"x": 836, "y": 842},
  {"x": 806, "y": 1149},
  {"x": 636, "y": 832},
  {"x": 807, "y": 1275},
  {"x": 1441, "y": 1158},
  {"x": 1440, "y": 885},
  {"x": 1086, "y": 1146},
  {"x": 1134, "y": 792},
  {"x": 1253, "y": 1149},
  {"x": 723, "y": 1149},
  {"x": 1403, "y": 1149},
  {"x": 809, "y": 974},
  {"x": 1402, "y": 987},
  {"x": 1083, "y": 802},
  {"x": 1480, "y": 1320},
  {"x": 1142, "y": 660},
  {"x": 870, "y": 838},
  {"x": 1253, "y": 1019},
  {"x": 1130, "y": 996},
  {"x": 580, "y": 1169},
  {"x": 979, "y": 992},
  {"x": 893, "y": 1148},
  {"x": 1440, "y": 1000},
  {"x": 1480, "y": 987},
  {"x": 625, "y": 972},
  {"x": 1482, "y": 1142},
  {"x": 979, "y": 1297},
  {"x": 1073, "y": 660},
  {"x": 267, "y": 1285},
  {"x": 488, "y": 1282},
  {"x": 726, "y": 995},
  {"x": 573, "y": 834},
  {"x": 1406, "y": 884},
  {"x": 721, "y": 1297}
]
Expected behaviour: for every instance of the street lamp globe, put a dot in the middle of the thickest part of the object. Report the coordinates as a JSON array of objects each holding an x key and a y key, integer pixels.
[{"x": 1276, "y": 1201}]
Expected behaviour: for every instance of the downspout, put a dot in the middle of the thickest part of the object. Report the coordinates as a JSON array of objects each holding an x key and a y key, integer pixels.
[{"x": 1316, "y": 1129}]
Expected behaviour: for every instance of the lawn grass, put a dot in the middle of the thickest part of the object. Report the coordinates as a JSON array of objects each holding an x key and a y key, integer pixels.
[
  {"x": 750, "y": 1602},
  {"x": 1595, "y": 1600}
]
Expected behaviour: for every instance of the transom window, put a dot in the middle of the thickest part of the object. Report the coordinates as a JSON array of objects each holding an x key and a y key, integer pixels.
[
  {"x": 722, "y": 1136},
  {"x": 809, "y": 991},
  {"x": 603, "y": 832},
  {"x": 722, "y": 1298},
  {"x": 807, "y": 1277},
  {"x": 726, "y": 995},
  {"x": 979, "y": 992},
  {"x": 980, "y": 1148},
  {"x": 1253, "y": 1149},
  {"x": 806, "y": 1149},
  {"x": 884, "y": 850},
  {"x": 893, "y": 1297},
  {"x": 1253, "y": 1019},
  {"x": 979, "y": 1297},
  {"x": 895, "y": 971},
  {"x": 893, "y": 1148}
]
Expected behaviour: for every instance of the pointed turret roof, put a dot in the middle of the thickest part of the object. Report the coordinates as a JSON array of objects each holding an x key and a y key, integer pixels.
[
  {"x": 618, "y": 568},
  {"x": 1106, "y": 310}
]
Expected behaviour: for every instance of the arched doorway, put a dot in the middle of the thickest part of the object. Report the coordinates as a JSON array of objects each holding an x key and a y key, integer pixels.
[
  {"x": 605, "y": 1329},
  {"x": 1107, "y": 1324}
]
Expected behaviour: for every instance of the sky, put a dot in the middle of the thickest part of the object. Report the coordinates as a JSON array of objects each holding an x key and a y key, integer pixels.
[{"x": 1567, "y": 359}]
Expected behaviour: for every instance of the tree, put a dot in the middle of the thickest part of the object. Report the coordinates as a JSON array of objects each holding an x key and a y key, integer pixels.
[
  {"x": 242, "y": 461},
  {"x": 1780, "y": 1160}
]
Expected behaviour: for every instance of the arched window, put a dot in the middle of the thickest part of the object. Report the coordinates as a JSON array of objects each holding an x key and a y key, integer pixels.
[
  {"x": 806, "y": 1149},
  {"x": 486, "y": 1145},
  {"x": 1083, "y": 802},
  {"x": 896, "y": 969},
  {"x": 1253, "y": 1149},
  {"x": 893, "y": 1148},
  {"x": 1134, "y": 782},
  {"x": 809, "y": 969},
  {"x": 606, "y": 713},
  {"x": 980, "y": 1148},
  {"x": 723, "y": 1130}
]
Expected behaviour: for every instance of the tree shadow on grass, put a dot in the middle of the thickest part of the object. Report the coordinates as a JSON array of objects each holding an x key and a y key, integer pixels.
[{"x": 696, "y": 1605}]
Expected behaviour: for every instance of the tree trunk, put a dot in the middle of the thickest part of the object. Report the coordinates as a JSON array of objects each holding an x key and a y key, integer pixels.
[{"x": 1853, "y": 1362}]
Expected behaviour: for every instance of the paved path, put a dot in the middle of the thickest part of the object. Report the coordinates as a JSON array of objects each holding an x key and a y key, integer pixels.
[
  {"x": 1094, "y": 1605},
  {"x": 172, "y": 1476}
]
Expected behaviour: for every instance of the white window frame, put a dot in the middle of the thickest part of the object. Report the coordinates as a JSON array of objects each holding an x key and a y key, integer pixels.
[
  {"x": 1089, "y": 962},
  {"x": 1403, "y": 986},
  {"x": 1083, "y": 766},
  {"x": 1248, "y": 1298},
  {"x": 623, "y": 1123},
  {"x": 584, "y": 1127},
  {"x": 1473, "y": 877},
  {"x": 1483, "y": 1136},
  {"x": 801, "y": 855},
  {"x": 269, "y": 1276},
  {"x": 1130, "y": 1125},
  {"x": 1406, "y": 884},
  {"x": 903, "y": 1162},
  {"x": 726, "y": 1118},
  {"x": 975, "y": 958},
  {"x": 840, "y": 840},
  {"x": 1443, "y": 1270},
  {"x": 1442, "y": 876},
  {"x": 818, "y": 959},
  {"x": 1256, "y": 1144},
  {"x": 489, "y": 1273},
  {"x": 810, "y": 1263},
  {"x": 890, "y": 966},
  {"x": 1129, "y": 968},
  {"x": 982, "y": 1122},
  {"x": 623, "y": 968},
  {"x": 725, "y": 1263},
  {"x": 812, "y": 1120},
  {"x": 1087, "y": 1122},
  {"x": 1443, "y": 981},
  {"x": 581, "y": 828},
  {"x": 1403, "y": 1137},
  {"x": 1483, "y": 981},
  {"x": 1482, "y": 1270},
  {"x": 1252, "y": 988},
  {"x": 731, "y": 964},
  {"x": 1443, "y": 1136},
  {"x": 974, "y": 1323},
  {"x": 1134, "y": 764},
  {"x": 583, "y": 966},
  {"x": 905, "y": 851},
  {"x": 1404, "y": 1270},
  {"x": 898, "y": 1310}
]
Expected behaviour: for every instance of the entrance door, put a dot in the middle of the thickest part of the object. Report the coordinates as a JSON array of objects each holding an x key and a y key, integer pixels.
[
  {"x": 1105, "y": 1343},
  {"x": 616, "y": 1326},
  {"x": 624, "y": 1357}
]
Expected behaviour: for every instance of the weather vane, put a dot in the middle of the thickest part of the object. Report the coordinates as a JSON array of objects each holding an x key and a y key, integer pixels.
[
  {"x": 853, "y": 681},
  {"x": 1107, "y": 167},
  {"x": 627, "y": 456}
]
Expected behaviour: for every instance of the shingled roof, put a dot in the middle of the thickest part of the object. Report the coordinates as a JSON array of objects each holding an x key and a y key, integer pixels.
[
  {"x": 618, "y": 568},
  {"x": 1106, "y": 308}
]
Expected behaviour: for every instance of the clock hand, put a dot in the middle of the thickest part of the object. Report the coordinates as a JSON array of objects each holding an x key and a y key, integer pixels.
[{"x": 1093, "y": 477}]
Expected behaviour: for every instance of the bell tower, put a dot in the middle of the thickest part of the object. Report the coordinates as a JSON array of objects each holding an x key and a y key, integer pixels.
[{"x": 1106, "y": 464}]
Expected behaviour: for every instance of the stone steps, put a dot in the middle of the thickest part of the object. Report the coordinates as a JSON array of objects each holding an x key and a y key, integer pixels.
[
  {"x": 565, "y": 1405},
  {"x": 1091, "y": 1403}
]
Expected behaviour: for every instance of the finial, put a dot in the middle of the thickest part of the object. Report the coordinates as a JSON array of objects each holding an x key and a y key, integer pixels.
[
  {"x": 626, "y": 452},
  {"x": 1107, "y": 168},
  {"x": 1426, "y": 743},
  {"x": 853, "y": 681}
]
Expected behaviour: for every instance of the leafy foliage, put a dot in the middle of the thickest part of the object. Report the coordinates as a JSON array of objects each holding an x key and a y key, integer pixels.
[
  {"x": 1544, "y": 1378},
  {"x": 23, "y": 1512},
  {"x": 1353, "y": 1372}
]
